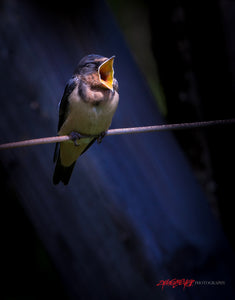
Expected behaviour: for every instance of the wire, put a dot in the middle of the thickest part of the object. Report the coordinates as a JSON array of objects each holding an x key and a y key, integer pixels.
[
  {"x": 166, "y": 127},
  {"x": 119, "y": 131}
]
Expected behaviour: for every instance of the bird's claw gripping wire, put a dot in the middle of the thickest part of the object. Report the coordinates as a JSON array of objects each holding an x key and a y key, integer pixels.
[{"x": 75, "y": 137}]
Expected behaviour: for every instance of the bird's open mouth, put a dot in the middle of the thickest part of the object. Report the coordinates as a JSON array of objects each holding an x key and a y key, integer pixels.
[{"x": 106, "y": 73}]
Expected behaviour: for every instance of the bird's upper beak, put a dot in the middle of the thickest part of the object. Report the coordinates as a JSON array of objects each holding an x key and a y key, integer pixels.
[{"x": 106, "y": 73}]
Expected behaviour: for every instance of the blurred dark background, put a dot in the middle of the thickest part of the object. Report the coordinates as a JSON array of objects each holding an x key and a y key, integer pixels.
[
  {"x": 185, "y": 50},
  {"x": 138, "y": 209}
]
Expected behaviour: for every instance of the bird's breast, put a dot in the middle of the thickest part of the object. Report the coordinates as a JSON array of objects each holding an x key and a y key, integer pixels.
[{"x": 89, "y": 117}]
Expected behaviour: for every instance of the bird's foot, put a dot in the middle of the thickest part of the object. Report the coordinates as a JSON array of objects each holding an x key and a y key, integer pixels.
[
  {"x": 101, "y": 136},
  {"x": 75, "y": 137}
]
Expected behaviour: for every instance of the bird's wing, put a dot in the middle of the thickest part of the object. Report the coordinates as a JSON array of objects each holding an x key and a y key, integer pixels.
[
  {"x": 63, "y": 109},
  {"x": 64, "y": 104}
]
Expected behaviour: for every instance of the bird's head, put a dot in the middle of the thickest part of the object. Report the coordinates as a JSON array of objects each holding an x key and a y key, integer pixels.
[{"x": 97, "y": 71}]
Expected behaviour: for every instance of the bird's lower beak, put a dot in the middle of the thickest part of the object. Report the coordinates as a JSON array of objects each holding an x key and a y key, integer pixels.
[{"x": 106, "y": 73}]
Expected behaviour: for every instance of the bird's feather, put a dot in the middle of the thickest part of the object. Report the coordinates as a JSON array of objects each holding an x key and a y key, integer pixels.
[
  {"x": 64, "y": 103},
  {"x": 61, "y": 172}
]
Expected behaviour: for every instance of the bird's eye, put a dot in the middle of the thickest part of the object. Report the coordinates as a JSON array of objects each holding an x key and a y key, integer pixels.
[{"x": 89, "y": 65}]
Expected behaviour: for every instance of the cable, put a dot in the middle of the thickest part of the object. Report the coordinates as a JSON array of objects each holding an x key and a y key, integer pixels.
[{"x": 118, "y": 131}]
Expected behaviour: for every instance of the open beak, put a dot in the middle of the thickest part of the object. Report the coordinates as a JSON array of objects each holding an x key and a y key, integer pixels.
[{"x": 106, "y": 73}]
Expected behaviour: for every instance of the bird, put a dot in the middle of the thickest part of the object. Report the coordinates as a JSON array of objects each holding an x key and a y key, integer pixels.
[{"x": 86, "y": 110}]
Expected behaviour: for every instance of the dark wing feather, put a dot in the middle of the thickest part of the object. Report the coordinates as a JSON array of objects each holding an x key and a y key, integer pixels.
[
  {"x": 64, "y": 103},
  {"x": 62, "y": 173},
  {"x": 56, "y": 152},
  {"x": 63, "y": 110}
]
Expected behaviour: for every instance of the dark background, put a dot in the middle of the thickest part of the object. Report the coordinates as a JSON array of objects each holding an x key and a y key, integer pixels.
[{"x": 138, "y": 209}]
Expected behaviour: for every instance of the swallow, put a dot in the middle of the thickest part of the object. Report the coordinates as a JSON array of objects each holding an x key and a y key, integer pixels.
[{"x": 87, "y": 107}]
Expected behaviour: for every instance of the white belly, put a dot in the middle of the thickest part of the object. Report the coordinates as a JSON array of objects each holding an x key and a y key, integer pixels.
[{"x": 85, "y": 118}]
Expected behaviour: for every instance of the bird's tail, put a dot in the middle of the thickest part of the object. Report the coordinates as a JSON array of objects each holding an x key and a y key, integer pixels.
[{"x": 61, "y": 172}]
